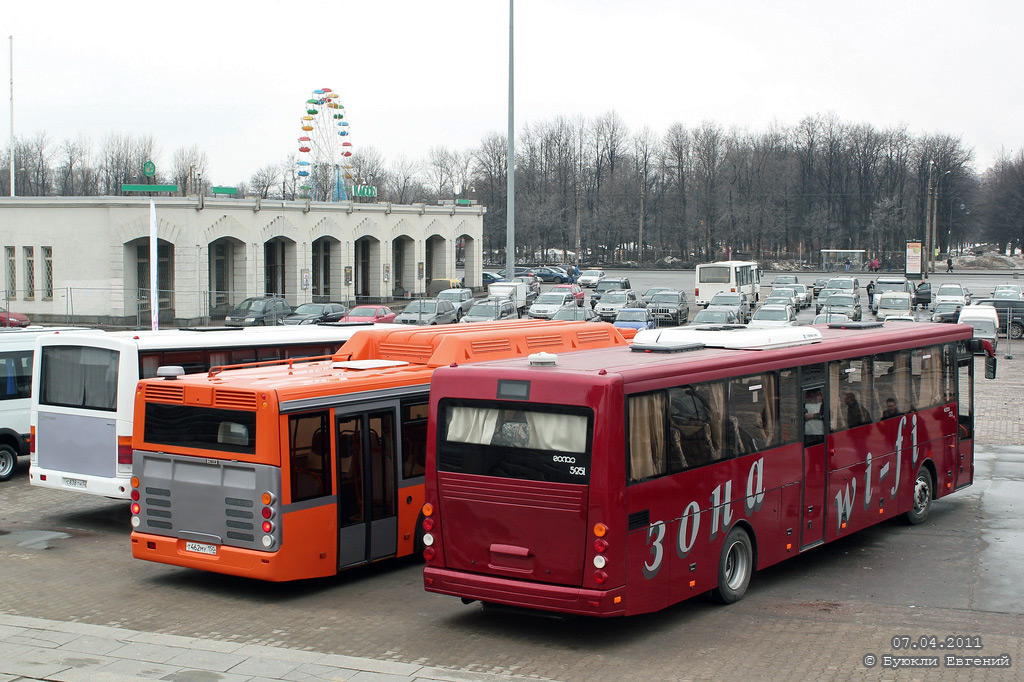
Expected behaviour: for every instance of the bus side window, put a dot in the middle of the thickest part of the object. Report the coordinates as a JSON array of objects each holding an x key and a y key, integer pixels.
[
  {"x": 752, "y": 422},
  {"x": 309, "y": 455},
  {"x": 696, "y": 426},
  {"x": 646, "y": 436},
  {"x": 849, "y": 393},
  {"x": 414, "y": 440},
  {"x": 790, "y": 408}
]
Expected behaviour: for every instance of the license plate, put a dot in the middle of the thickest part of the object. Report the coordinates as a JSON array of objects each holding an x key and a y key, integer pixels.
[
  {"x": 201, "y": 548},
  {"x": 74, "y": 482}
]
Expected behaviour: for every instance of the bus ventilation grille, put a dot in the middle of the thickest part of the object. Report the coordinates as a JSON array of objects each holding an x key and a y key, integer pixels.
[
  {"x": 492, "y": 346},
  {"x": 405, "y": 351},
  {"x": 593, "y": 336},
  {"x": 545, "y": 341},
  {"x": 234, "y": 400},
  {"x": 165, "y": 393}
]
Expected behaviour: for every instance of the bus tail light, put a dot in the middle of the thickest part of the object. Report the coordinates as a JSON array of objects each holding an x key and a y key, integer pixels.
[
  {"x": 135, "y": 495},
  {"x": 429, "y": 553},
  {"x": 268, "y": 512},
  {"x": 124, "y": 450},
  {"x": 136, "y": 508},
  {"x": 32, "y": 440},
  {"x": 428, "y": 524},
  {"x": 600, "y": 545},
  {"x": 600, "y": 577},
  {"x": 696, "y": 292},
  {"x": 268, "y": 526}
]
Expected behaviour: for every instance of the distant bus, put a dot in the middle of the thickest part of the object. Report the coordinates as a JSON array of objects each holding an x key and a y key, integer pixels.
[
  {"x": 17, "y": 346},
  {"x": 302, "y": 470},
  {"x": 83, "y": 391},
  {"x": 731, "y": 276},
  {"x": 620, "y": 481}
]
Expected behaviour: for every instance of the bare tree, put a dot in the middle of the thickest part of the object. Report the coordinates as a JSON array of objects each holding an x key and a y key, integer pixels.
[
  {"x": 265, "y": 180},
  {"x": 189, "y": 170}
]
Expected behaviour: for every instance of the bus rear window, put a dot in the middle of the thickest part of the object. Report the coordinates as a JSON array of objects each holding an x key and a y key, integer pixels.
[
  {"x": 79, "y": 376},
  {"x": 719, "y": 274},
  {"x": 541, "y": 443},
  {"x": 188, "y": 426}
]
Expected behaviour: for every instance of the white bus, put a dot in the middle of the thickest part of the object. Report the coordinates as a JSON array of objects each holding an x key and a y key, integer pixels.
[
  {"x": 732, "y": 276},
  {"x": 17, "y": 347},
  {"x": 83, "y": 391}
]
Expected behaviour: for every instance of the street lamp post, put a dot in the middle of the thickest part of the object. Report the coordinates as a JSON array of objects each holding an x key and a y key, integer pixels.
[{"x": 949, "y": 231}]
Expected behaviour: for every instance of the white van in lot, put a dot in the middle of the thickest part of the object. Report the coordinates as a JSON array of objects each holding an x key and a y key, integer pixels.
[{"x": 985, "y": 321}]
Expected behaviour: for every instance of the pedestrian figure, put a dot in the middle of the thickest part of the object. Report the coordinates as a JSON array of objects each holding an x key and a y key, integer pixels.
[
  {"x": 847, "y": 264},
  {"x": 870, "y": 288},
  {"x": 949, "y": 265}
]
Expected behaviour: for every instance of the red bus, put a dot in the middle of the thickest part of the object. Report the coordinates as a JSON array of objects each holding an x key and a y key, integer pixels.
[
  {"x": 298, "y": 469},
  {"x": 619, "y": 481}
]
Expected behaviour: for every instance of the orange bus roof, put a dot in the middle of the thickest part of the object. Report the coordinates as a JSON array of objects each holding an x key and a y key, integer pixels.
[{"x": 408, "y": 357}]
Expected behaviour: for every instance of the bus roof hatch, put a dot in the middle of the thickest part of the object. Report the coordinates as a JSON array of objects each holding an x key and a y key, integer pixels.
[{"x": 735, "y": 337}]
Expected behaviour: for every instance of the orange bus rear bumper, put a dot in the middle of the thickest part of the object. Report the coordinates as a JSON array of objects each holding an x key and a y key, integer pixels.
[
  {"x": 246, "y": 563},
  {"x": 525, "y": 594}
]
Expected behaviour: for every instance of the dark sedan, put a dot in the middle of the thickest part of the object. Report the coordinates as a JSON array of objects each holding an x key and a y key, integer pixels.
[
  {"x": 946, "y": 312},
  {"x": 311, "y": 313}
]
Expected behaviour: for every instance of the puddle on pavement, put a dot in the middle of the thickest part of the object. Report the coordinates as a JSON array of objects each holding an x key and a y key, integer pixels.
[{"x": 33, "y": 539}]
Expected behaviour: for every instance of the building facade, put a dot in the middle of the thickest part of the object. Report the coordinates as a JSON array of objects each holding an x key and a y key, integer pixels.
[{"x": 86, "y": 259}]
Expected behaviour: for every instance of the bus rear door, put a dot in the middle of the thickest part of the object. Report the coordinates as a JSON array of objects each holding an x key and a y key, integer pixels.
[{"x": 366, "y": 445}]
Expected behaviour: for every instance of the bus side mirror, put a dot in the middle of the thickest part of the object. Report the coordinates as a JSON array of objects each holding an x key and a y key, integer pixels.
[{"x": 990, "y": 367}]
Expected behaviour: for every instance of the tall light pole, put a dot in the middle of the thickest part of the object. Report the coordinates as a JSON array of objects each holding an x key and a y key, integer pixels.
[
  {"x": 949, "y": 232},
  {"x": 11, "y": 38},
  {"x": 510, "y": 164}
]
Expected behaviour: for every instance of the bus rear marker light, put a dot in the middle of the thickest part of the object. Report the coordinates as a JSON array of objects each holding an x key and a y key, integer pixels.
[
  {"x": 428, "y": 539},
  {"x": 600, "y": 530},
  {"x": 135, "y": 481},
  {"x": 428, "y": 509},
  {"x": 135, "y": 522},
  {"x": 600, "y": 561},
  {"x": 268, "y": 540}
]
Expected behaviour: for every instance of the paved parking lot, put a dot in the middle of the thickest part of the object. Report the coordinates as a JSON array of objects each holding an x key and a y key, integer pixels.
[{"x": 66, "y": 557}]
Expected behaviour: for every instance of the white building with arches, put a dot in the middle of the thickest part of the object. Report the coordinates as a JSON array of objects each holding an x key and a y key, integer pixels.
[{"x": 87, "y": 258}]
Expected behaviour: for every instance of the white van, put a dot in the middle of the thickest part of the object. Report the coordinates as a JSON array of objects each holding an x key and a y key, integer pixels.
[
  {"x": 893, "y": 303},
  {"x": 985, "y": 321},
  {"x": 17, "y": 352}
]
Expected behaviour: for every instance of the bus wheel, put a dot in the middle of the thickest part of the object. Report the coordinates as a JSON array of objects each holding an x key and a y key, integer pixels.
[
  {"x": 735, "y": 567},
  {"x": 922, "y": 498},
  {"x": 8, "y": 461}
]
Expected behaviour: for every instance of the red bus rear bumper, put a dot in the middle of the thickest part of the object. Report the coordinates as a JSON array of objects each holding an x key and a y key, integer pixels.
[{"x": 525, "y": 594}]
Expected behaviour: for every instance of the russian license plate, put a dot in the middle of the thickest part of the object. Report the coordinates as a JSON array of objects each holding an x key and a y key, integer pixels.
[
  {"x": 74, "y": 482},
  {"x": 201, "y": 548}
]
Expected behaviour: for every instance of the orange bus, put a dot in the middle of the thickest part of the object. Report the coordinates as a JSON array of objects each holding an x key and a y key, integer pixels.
[{"x": 294, "y": 469}]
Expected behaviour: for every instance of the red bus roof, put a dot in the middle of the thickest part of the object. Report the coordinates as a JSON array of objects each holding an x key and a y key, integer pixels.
[{"x": 715, "y": 363}]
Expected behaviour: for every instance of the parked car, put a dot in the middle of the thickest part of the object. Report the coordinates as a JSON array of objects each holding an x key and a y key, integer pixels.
[
  {"x": 824, "y": 294},
  {"x": 635, "y": 318},
  {"x": 490, "y": 278},
  {"x": 1015, "y": 288},
  {"x": 370, "y": 313},
  {"x": 590, "y": 278},
  {"x": 884, "y": 285},
  {"x": 670, "y": 305},
  {"x": 843, "y": 303},
  {"x": 819, "y": 284},
  {"x": 894, "y": 303},
  {"x": 734, "y": 302},
  {"x": 571, "y": 313},
  {"x": 722, "y": 316},
  {"x": 517, "y": 272},
  {"x": 9, "y": 319},
  {"x": 1008, "y": 294},
  {"x": 548, "y": 303},
  {"x": 531, "y": 281},
  {"x": 1010, "y": 314},
  {"x": 649, "y": 294},
  {"x": 953, "y": 293},
  {"x": 312, "y": 313},
  {"x": 788, "y": 294},
  {"x": 613, "y": 301},
  {"x": 804, "y": 295},
  {"x": 438, "y": 285},
  {"x": 773, "y": 316},
  {"x": 784, "y": 280},
  {"x": 608, "y": 284},
  {"x": 550, "y": 273},
  {"x": 490, "y": 309},
  {"x": 575, "y": 289},
  {"x": 946, "y": 312},
  {"x": 985, "y": 321},
  {"x": 265, "y": 310},
  {"x": 827, "y": 318},
  {"x": 428, "y": 311},
  {"x": 462, "y": 299},
  {"x": 923, "y": 295},
  {"x": 778, "y": 300}
]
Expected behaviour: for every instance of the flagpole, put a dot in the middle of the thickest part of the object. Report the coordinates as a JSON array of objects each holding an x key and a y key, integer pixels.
[{"x": 154, "y": 291}]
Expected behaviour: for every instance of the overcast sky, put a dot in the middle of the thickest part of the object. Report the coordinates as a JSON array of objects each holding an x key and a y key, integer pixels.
[{"x": 232, "y": 76}]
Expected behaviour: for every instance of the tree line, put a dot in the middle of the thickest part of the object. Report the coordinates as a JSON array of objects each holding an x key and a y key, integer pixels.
[{"x": 694, "y": 193}]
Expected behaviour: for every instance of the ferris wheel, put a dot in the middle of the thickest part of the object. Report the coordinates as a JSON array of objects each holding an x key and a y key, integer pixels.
[{"x": 324, "y": 167}]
